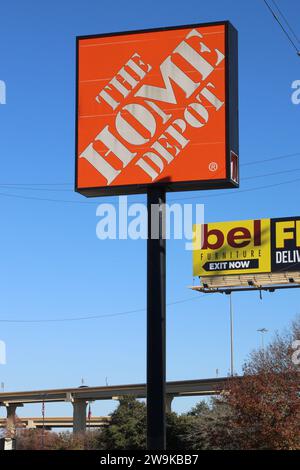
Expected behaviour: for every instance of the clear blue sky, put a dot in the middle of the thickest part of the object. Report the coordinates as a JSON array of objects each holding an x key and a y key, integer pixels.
[{"x": 52, "y": 264}]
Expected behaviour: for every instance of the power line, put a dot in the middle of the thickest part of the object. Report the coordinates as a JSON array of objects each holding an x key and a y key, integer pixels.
[
  {"x": 36, "y": 184},
  {"x": 271, "y": 159},
  {"x": 108, "y": 315},
  {"x": 35, "y": 188},
  {"x": 228, "y": 193},
  {"x": 28, "y": 188},
  {"x": 286, "y": 21},
  {"x": 94, "y": 317},
  {"x": 292, "y": 170},
  {"x": 254, "y": 162},
  {"x": 231, "y": 193},
  {"x": 18, "y": 196},
  {"x": 282, "y": 27}
]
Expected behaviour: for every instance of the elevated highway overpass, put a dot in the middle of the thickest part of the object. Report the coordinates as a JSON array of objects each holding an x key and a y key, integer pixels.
[
  {"x": 55, "y": 422},
  {"x": 80, "y": 396}
]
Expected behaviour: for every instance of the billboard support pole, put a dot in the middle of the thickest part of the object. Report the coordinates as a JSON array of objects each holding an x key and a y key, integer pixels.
[
  {"x": 231, "y": 336},
  {"x": 156, "y": 320}
]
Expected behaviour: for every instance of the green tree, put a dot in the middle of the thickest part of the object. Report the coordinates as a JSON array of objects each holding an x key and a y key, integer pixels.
[
  {"x": 211, "y": 427},
  {"x": 177, "y": 431},
  {"x": 127, "y": 429},
  {"x": 199, "y": 409}
]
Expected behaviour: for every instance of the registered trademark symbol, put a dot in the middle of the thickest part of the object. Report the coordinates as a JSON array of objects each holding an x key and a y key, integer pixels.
[{"x": 213, "y": 166}]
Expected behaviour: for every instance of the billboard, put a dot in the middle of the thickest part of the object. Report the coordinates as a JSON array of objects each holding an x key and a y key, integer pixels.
[
  {"x": 157, "y": 107},
  {"x": 247, "y": 247}
]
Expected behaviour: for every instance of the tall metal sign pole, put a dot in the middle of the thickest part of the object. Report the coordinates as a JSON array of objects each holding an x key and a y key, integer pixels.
[
  {"x": 156, "y": 320},
  {"x": 231, "y": 336},
  {"x": 157, "y": 111}
]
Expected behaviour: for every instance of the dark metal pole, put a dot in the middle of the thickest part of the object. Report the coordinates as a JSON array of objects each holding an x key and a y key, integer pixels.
[
  {"x": 231, "y": 336},
  {"x": 156, "y": 320}
]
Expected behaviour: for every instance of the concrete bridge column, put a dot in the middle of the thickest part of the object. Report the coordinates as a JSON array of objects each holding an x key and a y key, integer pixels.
[
  {"x": 30, "y": 424},
  {"x": 11, "y": 417},
  {"x": 79, "y": 416},
  {"x": 169, "y": 399}
]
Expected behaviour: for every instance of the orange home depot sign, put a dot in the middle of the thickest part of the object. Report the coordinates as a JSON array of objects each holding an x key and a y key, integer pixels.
[{"x": 157, "y": 107}]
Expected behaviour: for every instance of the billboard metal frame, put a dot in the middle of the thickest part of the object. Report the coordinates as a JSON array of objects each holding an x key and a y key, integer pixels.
[{"x": 249, "y": 282}]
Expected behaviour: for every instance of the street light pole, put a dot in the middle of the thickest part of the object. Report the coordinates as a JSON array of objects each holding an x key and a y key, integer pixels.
[{"x": 262, "y": 331}]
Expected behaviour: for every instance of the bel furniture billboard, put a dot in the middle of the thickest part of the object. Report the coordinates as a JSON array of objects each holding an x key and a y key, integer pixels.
[
  {"x": 157, "y": 107},
  {"x": 247, "y": 247}
]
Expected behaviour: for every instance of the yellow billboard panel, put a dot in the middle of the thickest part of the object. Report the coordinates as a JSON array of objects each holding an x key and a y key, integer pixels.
[{"x": 238, "y": 247}]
